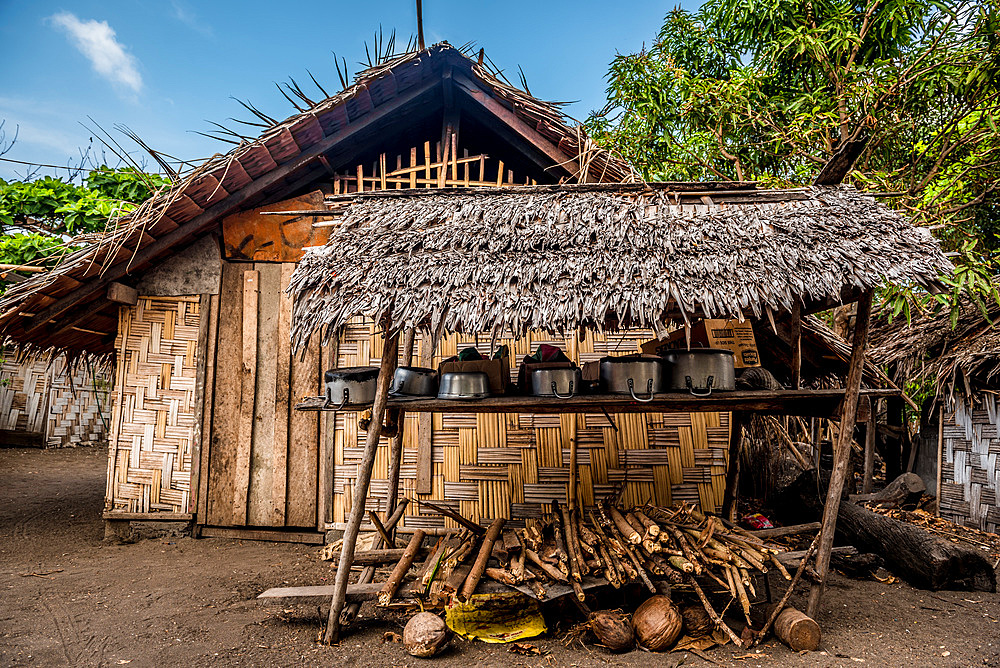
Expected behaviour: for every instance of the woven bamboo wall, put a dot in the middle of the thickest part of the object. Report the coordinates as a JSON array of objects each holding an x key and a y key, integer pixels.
[
  {"x": 149, "y": 468},
  {"x": 23, "y": 389},
  {"x": 487, "y": 466},
  {"x": 44, "y": 397},
  {"x": 970, "y": 466}
]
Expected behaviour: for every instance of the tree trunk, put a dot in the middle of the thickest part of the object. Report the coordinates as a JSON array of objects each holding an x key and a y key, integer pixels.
[{"x": 915, "y": 555}]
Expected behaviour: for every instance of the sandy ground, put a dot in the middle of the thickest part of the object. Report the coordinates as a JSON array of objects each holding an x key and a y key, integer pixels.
[{"x": 69, "y": 599}]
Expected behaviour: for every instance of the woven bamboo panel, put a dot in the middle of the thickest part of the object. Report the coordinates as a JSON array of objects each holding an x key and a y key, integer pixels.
[
  {"x": 23, "y": 388},
  {"x": 79, "y": 406},
  {"x": 43, "y": 396},
  {"x": 153, "y": 416},
  {"x": 488, "y": 465},
  {"x": 970, "y": 470}
]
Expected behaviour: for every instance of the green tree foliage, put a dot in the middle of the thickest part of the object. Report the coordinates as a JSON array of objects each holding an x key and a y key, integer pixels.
[
  {"x": 39, "y": 218},
  {"x": 768, "y": 90}
]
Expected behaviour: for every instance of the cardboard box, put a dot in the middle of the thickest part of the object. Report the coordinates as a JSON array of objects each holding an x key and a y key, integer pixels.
[
  {"x": 731, "y": 335},
  {"x": 498, "y": 371}
]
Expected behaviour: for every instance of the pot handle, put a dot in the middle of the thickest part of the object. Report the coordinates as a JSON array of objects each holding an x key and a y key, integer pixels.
[
  {"x": 347, "y": 396},
  {"x": 708, "y": 387},
  {"x": 556, "y": 394},
  {"x": 649, "y": 390}
]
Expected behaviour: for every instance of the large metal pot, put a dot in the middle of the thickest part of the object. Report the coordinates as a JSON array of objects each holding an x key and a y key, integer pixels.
[
  {"x": 627, "y": 375},
  {"x": 464, "y": 385},
  {"x": 701, "y": 370},
  {"x": 414, "y": 381},
  {"x": 561, "y": 383},
  {"x": 350, "y": 385}
]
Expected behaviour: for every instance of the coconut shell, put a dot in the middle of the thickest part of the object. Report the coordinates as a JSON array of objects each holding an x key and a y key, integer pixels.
[
  {"x": 657, "y": 623},
  {"x": 425, "y": 635},
  {"x": 613, "y": 630},
  {"x": 697, "y": 623}
]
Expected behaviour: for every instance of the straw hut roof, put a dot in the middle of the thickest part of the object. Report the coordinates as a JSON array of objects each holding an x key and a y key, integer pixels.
[
  {"x": 605, "y": 256},
  {"x": 66, "y": 309},
  {"x": 929, "y": 348}
]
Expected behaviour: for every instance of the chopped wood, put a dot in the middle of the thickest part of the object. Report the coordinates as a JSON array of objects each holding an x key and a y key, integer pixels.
[
  {"x": 469, "y": 588},
  {"x": 392, "y": 584},
  {"x": 448, "y": 512}
]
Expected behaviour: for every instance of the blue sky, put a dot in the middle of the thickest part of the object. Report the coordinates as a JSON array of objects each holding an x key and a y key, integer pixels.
[{"x": 166, "y": 67}]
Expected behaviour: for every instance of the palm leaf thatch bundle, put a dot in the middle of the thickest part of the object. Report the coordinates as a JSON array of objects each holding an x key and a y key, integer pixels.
[
  {"x": 558, "y": 259},
  {"x": 930, "y": 348}
]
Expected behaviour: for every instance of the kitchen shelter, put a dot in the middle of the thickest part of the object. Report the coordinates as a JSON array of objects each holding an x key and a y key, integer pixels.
[{"x": 433, "y": 197}]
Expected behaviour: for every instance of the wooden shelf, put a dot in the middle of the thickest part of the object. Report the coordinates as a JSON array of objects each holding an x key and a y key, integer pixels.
[{"x": 806, "y": 403}]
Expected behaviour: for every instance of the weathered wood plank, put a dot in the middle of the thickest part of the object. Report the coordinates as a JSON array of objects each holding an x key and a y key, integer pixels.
[
  {"x": 208, "y": 402},
  {"x": 282, "y": 392},
  {"x": 820, "y": 403},
  {"x": 221, "y": 475},
  {"x": 260, "y": 501},
  {"x": 248, "y": 388},
  {"x": 303, "y": 441}
]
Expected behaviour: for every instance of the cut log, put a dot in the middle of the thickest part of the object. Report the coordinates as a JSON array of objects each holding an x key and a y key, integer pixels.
[
  {"x": 904, "y": 490},
  {"x": 914, "y": 554},
  {"x": 798, "y": 631}
]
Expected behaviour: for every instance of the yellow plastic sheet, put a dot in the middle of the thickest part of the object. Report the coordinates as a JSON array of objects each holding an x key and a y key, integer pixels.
[{"x": 496, "y": 618}]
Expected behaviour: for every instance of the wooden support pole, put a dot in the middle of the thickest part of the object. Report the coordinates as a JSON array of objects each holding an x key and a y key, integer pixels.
[
  {"x": 869, "y": 474},
  {"x": 368, "y": 573},
  {"x": 797, "y": 346},
  {"x": 396, "y": 446},
  {"x": 386, "y": 370},
  {"x": 842, "y": 450},
  {"x": 733, "y": 472}
]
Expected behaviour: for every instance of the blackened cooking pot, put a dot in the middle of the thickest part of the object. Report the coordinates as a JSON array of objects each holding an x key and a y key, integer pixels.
[
  {"x": 350, "y": 385},
  {"x": 631, "y": 374},
  {"x": 700, "y": 370},
  {"x": 561, "y": 383},
  {"x": 414, "y": 381}
]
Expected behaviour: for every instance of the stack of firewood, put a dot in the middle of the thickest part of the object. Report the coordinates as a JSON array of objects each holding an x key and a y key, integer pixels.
[{"x": 567, "y": 546}]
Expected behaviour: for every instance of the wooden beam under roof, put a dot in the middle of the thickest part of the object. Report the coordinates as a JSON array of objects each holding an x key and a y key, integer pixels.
[
  {"x": 528, "y": 135},
  {"x": 232, "y": 202}
]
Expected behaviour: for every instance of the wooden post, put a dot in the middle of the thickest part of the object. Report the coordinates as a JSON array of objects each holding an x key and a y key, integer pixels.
[
  {"x": 866, "y": 485},
  {"x": 327, "y": 443},
  {"x": 842, "y": 450},
  {"x": 396, "y": 447},
  {"x": 386, "y": 370},
  {"x": 733, "y": 472},
  {"x": 940, "y": 456},
  {"x": 797, "y": 345}
]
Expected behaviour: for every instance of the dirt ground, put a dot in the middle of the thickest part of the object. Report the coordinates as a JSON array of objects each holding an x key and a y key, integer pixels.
[{"x": 69, "y": 599}]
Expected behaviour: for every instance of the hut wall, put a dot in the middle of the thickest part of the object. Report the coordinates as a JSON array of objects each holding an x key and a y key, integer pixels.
[
  {"x": 970, "y": 462},
  {"x": 45, "y": 398},
  {"x": 154, "y": 406},
  {"x": 487, "y": 466}
]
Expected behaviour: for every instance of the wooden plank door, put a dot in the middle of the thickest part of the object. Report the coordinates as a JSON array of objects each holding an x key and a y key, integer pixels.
[{"x": 263, "y": 461}]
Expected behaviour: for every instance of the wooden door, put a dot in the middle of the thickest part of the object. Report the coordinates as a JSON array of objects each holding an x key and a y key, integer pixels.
[{"x": 263, "y": 462}]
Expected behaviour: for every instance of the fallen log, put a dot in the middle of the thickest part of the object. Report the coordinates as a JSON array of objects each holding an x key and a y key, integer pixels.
[
  {"x": 904, "y": 490},
  {"x": 914, "y": 554}
]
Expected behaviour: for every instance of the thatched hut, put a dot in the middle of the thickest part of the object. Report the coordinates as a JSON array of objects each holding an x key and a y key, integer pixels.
[
  {"x": 441, "y": 194},
  {"x": 958, "y": 449}
]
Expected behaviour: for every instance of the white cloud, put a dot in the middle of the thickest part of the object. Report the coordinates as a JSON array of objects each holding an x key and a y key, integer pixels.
[
  {"x": 184, "y": 14},
  {"x": 96, "y": 40}
]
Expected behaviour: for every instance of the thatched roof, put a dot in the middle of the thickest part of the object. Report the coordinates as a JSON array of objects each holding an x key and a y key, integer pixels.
[
  {"x": 65, "y": 308},
  {"x": 929, "y": 348},
  {"x": 575, "y": 256}
]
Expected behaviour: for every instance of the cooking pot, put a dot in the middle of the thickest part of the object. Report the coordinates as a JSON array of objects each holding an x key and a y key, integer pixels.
[
  {"x": 700, "y": 370},
  {"x": 561, "y": 383},
  {"x": 626, "y": 375},
  {"x": 350, "y": 385},
  {"x": 414, "y": 381},
  {"x": 464, "y": 385}
]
